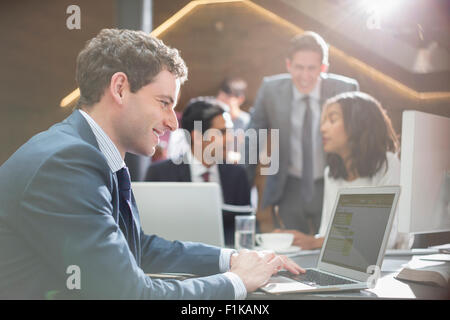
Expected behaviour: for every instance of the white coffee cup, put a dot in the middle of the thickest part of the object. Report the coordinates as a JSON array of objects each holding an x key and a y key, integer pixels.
[{"x": 274, "y": 241}]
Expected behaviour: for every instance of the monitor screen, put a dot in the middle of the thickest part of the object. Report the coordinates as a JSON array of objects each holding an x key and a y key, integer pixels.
[
  {"x": 357, "y": 230},
  {"x": 424, "y": 205}
]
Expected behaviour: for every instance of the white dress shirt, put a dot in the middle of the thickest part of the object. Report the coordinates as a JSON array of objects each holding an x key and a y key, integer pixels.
[
  {"x": 297, "y": 116},
  {"x": 115, "y": 163},
  {"x": 198, "y": 169}
]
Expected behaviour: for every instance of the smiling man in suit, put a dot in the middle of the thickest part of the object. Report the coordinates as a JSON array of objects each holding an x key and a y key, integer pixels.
[
  {"x": 291, "y": 103},
  {"x": 66, "y": 201}
]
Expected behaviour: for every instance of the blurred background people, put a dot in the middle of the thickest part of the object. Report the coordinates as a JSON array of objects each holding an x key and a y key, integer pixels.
[{"x": 232, "y": 92}]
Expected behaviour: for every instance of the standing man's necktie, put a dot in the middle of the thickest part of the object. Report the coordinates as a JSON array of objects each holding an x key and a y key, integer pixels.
[
  {"x": 205, "y": 176},
  {"x": 126, "y": 220},
  {"x": 307, "y": 180}
]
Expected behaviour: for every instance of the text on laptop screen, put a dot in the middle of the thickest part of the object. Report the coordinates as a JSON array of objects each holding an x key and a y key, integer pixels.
[{"x": 357, "y": 230}]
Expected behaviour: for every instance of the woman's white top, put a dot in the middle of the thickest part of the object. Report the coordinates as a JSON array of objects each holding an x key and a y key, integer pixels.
[{"x": 381, "y": 178}]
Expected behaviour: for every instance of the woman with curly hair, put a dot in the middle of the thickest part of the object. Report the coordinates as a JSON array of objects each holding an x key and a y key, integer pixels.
[{"x": 361, "y": 147}]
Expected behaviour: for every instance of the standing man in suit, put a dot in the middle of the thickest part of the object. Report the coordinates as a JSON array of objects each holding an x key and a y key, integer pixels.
[
  {"x": 69, "y": 225},
  {"x": 291, "y": 103}
]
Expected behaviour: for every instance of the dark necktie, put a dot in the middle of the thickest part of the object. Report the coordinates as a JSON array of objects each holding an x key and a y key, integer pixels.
[
  {"x": 307, "y": 180},
  {"x": 126, "y": 220},
  {"x": 205, "y": 176}
]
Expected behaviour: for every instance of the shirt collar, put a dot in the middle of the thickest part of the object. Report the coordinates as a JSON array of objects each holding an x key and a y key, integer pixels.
[
  {"x": 197, "y": 167},
  {"x": 315, "y": 93},
  {"x": 107, "y": 147}
]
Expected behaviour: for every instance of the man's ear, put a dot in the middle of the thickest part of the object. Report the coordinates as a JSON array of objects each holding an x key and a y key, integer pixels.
[
  {"x": 117, "y": 86},
  {"x": 324, "y": 68},
  {"x": 288, "y": 64}
]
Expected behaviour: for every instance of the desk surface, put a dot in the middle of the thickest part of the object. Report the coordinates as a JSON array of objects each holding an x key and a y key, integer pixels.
[{"x": 387, "y": 286}]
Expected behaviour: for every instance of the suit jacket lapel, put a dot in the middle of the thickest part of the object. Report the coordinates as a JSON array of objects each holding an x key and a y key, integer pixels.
[
  {"x": 183, "y": 170},
  {"x": 115, "y": 199},
  {"x": 286, "y": 92},
  {"x": 326, "y": 91},
  {"x": 285, "y": 119}
]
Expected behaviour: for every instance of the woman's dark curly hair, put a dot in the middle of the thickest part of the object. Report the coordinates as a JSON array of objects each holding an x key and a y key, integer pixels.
[{"x": 370, "y": 135}]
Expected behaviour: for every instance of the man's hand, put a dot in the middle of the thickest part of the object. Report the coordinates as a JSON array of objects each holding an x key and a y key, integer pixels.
[{"x": 255, "y": 268}]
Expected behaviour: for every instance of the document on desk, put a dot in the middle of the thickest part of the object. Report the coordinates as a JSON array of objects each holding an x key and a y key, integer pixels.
[
  {"x": 436, "y": 257},
  {"x": 428, "y": 272}
]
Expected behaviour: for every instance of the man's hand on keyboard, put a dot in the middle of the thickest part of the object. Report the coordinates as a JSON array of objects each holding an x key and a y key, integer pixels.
[{"x": 255, "y": 268}]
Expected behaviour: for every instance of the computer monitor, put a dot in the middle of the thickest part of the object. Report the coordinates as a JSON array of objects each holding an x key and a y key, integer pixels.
[
  {"x": 186, "y": 211},
  {"x": 424, "y": 205}
]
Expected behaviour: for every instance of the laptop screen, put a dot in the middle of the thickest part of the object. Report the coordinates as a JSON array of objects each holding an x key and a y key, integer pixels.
[{"x": 357, "y": 230}]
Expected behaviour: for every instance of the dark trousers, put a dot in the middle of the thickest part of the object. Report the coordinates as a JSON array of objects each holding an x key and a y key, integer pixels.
[{"x": 294, "y": 213}]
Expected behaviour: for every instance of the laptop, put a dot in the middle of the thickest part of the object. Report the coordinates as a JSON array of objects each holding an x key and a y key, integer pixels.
[
  {"x": 185, "y": 211},
  {"x": 354, "y": 245}
]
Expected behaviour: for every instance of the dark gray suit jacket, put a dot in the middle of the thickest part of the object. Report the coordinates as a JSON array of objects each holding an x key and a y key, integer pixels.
[
  {"x": 272, "y": 110},
  {"x": 60, "y": 207}
]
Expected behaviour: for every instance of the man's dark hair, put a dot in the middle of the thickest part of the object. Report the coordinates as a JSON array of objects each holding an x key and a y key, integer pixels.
[
  {"x": 309, "y": 41},
  {"x": 137, "y": 54},
  {"x": 202, "y": 109},
  {"x": 234, "y": 86},
  {"x": 370, "y": 135}
]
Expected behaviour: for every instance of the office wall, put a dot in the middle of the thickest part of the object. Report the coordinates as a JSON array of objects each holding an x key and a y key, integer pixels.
[{"x": 37, "y": 62}]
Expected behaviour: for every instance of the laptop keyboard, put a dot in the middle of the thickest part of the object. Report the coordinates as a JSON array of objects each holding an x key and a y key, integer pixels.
[{"x": 316, "y": 278}]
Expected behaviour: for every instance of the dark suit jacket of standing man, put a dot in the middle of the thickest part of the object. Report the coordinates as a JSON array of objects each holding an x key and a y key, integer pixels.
[
  {"x": 272, "y": 110},
  {"x": 233, "y": 180},
  {"x": 60, "y": 208}
]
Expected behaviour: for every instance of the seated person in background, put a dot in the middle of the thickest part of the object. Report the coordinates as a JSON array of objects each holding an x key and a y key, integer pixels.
[
  {"x": 231, "y": 96},
  {"x": 201, "y": 165},
  {"x": 206, "y": 160},
  {"x": 361, "y": 147},
  {"x": 232, "y": 92}
]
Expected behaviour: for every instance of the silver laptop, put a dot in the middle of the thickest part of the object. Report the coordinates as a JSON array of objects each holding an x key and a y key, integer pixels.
[
  {"x": 185, "y": 211},
  {"x": 354, "y": 245}
]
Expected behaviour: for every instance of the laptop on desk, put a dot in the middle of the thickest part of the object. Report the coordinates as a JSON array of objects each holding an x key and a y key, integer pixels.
[
  {"x": 354, "y": 245},
  {"x": 185, "y": 211}
]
